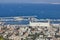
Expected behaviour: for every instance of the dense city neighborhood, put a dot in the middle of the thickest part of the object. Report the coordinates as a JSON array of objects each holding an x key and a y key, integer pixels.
[{"x": 35, "y": 30}]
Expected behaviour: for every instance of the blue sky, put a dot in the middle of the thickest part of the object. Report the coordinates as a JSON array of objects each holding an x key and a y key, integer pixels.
[{"x": 29, "y": 1}]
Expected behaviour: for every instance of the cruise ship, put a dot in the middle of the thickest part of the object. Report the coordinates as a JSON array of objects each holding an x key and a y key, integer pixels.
[{"x": 29, "y": 20}]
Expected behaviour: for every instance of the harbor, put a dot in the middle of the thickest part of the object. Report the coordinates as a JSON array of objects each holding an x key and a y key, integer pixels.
[{"x": 29, "y": 28}]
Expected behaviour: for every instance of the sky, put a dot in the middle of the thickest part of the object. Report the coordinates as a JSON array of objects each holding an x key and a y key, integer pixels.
[{"x": 29, "y": 1}]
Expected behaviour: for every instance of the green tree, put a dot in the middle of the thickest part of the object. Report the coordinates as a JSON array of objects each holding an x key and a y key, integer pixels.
[{"x": 1, "y": 38}]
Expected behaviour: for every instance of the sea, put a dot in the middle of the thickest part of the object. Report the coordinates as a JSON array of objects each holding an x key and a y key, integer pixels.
[{"x": 43, "y": 11}]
